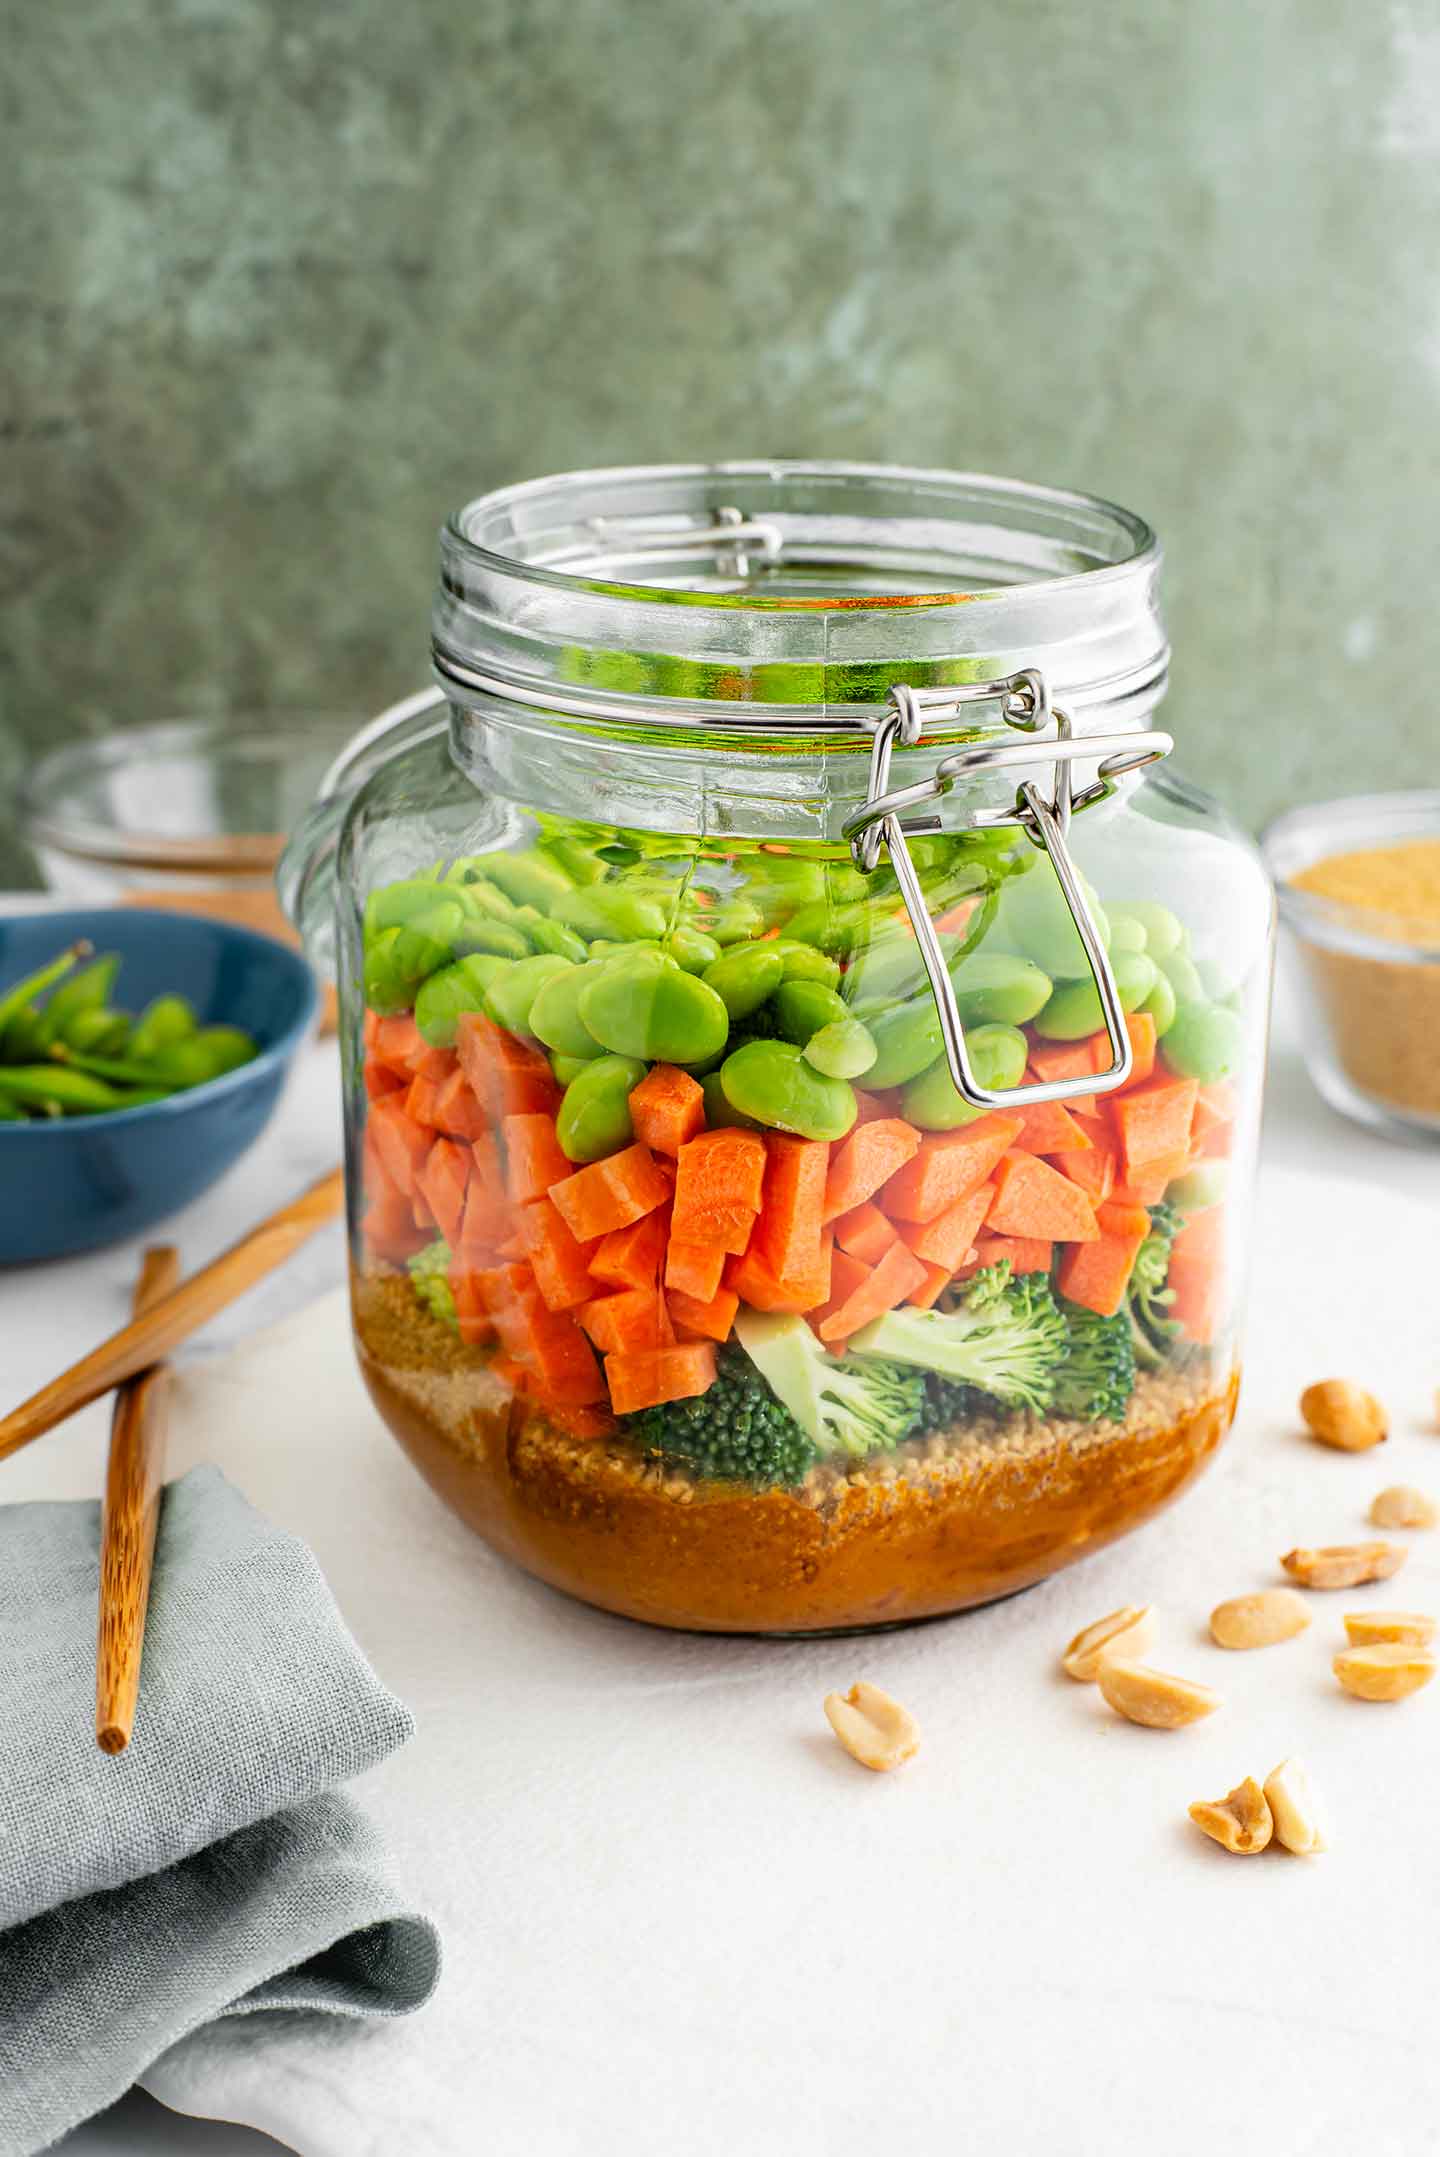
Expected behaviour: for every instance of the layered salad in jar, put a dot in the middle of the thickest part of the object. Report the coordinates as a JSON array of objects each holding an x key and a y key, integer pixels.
[{"x": 686, "y": 1274}]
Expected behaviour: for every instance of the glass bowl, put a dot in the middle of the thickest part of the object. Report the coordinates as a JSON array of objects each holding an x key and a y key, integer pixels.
[{"x": 1369, "y": 956}]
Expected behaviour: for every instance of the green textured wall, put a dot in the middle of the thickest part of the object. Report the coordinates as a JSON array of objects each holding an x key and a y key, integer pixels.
[{"x": 283, "y": 280}]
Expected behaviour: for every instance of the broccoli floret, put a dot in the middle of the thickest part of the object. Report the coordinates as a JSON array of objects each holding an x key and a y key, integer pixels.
[
  {"x": 1005, "y": 1337},
  {"x": 1097, "y": 1377},
  {"x": 1148, "y": 1300},
  {"x": 736, "y": 1429},
  {"x": 845, "y": 1406},
  {"x": 429, "y": 1271}
]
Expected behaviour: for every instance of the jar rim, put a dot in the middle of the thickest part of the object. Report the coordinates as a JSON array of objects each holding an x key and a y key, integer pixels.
[{"x": 524, "y": 497}]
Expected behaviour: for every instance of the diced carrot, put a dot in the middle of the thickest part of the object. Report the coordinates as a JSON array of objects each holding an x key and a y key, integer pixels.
[
  {"x": 401, "y": 1143},
  {"x": 865, "y": 1160},
  {"x": 380, "y": 1079},
  {"x": 533, "y": 1160},
  {"x": 875, "y": 1107},
  {"x": 694, "y": 1269},
  {"x": 632, "y": 1257},
  {"x": 369, "y": 1028},
  {"x": 509, "y": 1077},
  {"x": 1215, "y": 1144},
  {"x": 1153, "y": 1123},
  {"x": 1097, "y": 1274},
  {"x": 561, "y": 1272},
  {"x": 1196, "y": 1302},
  {"x": 1065, "y": 1060},
  {"x": 422, "y": 1099},
  {"x": 564, "y": 1363},
  {"x": 593, "y": 1421},
  {"x": 388, "y": 1228},
  {"x": 612, "y": 1193},
  {"x": 710, "y": 1316},
  {"x": 443, "y": 1180},
  {"x": 1215, "y": 1103},
  {"x": 1049, "y": 1127},
  {"x": 787, "y": 1234},
  {"x": 718, "y": 1186},
  {"x": 421, "y": 1212},
  {"x": 898, "y": 1274},
  {"x": 1141, "y": 1028},
  {"x": 400, "y": 1044},
  {"x": 1149, "y": 1189},
  {"x": 756, "y": 1282},
  {"x": 633, "y": 1318},
  {"x": 956, "y": 919},
  {"x": 476, "y": 1325},
  {"x": 847, "y": 1273},
  {"x": 949, "y": 1165},
  {"x": 1201, "y": 1241},
  {"x": 457, "y": 1112},
  {"x": 487, "y": 1211},
  {"x": 667, "y": 1108},
  {"x": 1027, "y": 1254},
  {"x": 653, "y": 1376},
  {"x": 1093, "y": 1170},
  {"x": 937, "y": 1280},
  {"x": 1034, "y": 1199},
  {"x": 864, "y": 1232},
  {"x": 946, "y": 1240}
]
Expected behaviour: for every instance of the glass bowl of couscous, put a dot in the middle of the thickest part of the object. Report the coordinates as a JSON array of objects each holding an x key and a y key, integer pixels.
[{"x": 1359, "y": 890}]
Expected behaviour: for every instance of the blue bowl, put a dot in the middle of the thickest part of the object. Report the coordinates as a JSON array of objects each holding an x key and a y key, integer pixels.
[{"x": 68, "y": 1184}]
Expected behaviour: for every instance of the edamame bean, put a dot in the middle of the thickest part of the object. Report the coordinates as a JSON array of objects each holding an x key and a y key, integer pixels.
[
  {"x": 427, "y": 940},
  {"x": 691, "y": 948},
  {"x": 1127, "y": 931},
  {"x": 510, "y": 997},
  {"x": 594, "y": 1118},
  {"x": 529, "y": 878},
  {"x": 829, "y": 928},
  {"x": 733, "y": 921},
  {"x": 499, "y": 939},
  {"x": 1204, "y": 1043},
  {"x": 567, "y": 1068},
  {"x": 394, "y": 904},
  {"x": 803, "y": 1007},
  {"x": 485, "y": 901},
  {"x": 650, "y": 1007},
  {"x": 779, "y": 883},
  {"x": 1201, "y": 1186},
  {"x": 605, "y": 948},
  {"x": 553, "y": 936},
  {"x": 744, "y": 977},
  {"x": 386, "y": 989},
  {"x": 1216, "y": 979},
  {"x": 1183, "y": 976},
  {"x": 555, "y": 1014},
  {"x": 998, "y": 987},
  {"x": 907, "y": 1040},
  {"x": 1034, "y": 917},
  {"x": 610, "y": 911},
  {"x": 771, "y": 1081},
  {"x": 1074, "y": 1011},
  {"x": 844, "y": 1049},
  {"x": 889, "y": 966},
  {"x": 460, "y": 987},
  {"x": 1163, "y": 932},
  {"x": 804, "y": 963},
  {"x": 1160, "y": 1004},
  {"x": 718, "y": 1109},
  {"x": 997, "y": 1058},
  {"x": 578, "y": 862}
]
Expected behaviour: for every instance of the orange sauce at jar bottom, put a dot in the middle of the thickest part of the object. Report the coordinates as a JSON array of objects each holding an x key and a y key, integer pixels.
[{"x": 941, "y": 1525}]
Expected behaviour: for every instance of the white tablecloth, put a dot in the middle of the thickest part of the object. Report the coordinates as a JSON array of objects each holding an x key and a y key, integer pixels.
[{"x": 678, "y": 1919}]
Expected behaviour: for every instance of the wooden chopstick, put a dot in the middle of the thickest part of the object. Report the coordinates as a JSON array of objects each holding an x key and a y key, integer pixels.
[
  {"x": 133, "y": 1480},
  {"x": 155, "y": 1332}
]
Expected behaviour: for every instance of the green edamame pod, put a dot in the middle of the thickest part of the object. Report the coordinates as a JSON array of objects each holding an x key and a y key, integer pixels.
[
  {"x": 594, "y": 1118},
  {"x": 445, "y": 996},
  {"x": 160, "y": 1025},
  {"x": 1160, "y": 1004},
  {"x": 1073, "y": 1011},
  {"x": 771, "y": 1082},
  {"x": 98, "y": 1032},
  {"x": 555, "y": 1014},
  {"x": 803, "y": 1007},
  {"x": 997, "y": 1058},
  {"x": 58, "y": 1089},
  {"x": 610, "y": 911},
  {"x": 804, "y": 963},
  {"x": 1204, "y": 1043},
  {"x": 745, "y": 977},
  {"x": 510, "y": 997},
  {"x": 1163, "y": 931},
  {"x": 21, "y": 994},
  {"x": 85, "y": 992},
  {"x": 208, "y": 1054},
  {"x": 844, "y": 1049},
  {"x": 651, "y": 1008},
  {"x": 999, "y": 988}
]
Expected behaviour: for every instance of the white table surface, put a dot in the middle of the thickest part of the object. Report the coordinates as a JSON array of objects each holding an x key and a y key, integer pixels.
[{"x": 51, "y": 1313}]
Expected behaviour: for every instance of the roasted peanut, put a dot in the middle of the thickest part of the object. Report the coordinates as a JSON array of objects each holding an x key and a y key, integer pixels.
[
  {"x": 1344, "y": 1565},
  {"x": 1343, "y": 1415},
  {"x": 873, "y": 1728},
  {"x": 1293, "y": 1809},
  {"x": 1400, "y": 1505},
  {"x": 1152, "y": 1697},
  {"x": 1240, "y": 1823},
  {"x": 1370, "y": 1628},
  {"x": 1259, "y": 1621},
  {"x": 1388, "y": 1671},
  {"x": 1125, "y": 1632}
]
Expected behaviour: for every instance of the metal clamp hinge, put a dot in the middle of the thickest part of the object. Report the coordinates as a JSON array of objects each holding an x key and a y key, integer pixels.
[{"x": 1025, "y": 704}]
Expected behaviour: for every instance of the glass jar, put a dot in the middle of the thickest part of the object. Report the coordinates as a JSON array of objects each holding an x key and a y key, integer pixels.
[{"x": 802, "y": 1070}]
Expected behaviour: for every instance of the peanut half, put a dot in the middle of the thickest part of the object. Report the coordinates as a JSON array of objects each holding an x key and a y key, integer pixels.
[
  {"x": 1152, "y": 1697},
  {"x": 1259, "y": 1621},
  {"x": 1344, "y": 1565},
  {"x": 1293, "y": 1809},
  {"x": 1388, "y": 1671},
  {"x": 1124, "y": 1632},
  {"x": 1400, "y": 1505},
  {"x": 1240, "y": 1823},
  {"x": 1343, "y": 1415},
  {"x": 873, "y": 1728},
  {"x": 1370, "y": 1628}
]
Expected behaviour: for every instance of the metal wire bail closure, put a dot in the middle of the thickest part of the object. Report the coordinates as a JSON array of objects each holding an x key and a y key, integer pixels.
[{"x": 1024, "y": 704}]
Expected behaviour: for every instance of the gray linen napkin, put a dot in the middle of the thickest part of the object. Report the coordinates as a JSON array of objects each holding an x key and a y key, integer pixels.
[{"x": 213, "y": 1868}]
